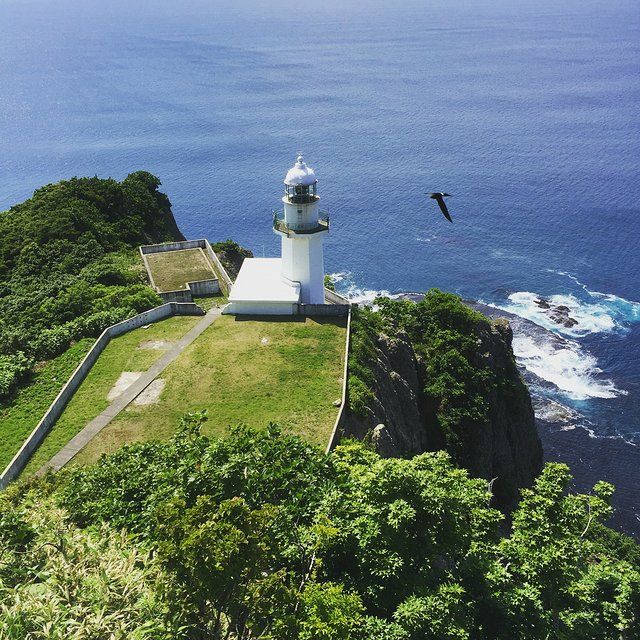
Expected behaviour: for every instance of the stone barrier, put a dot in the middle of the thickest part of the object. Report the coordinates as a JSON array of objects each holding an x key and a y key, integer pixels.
[
  {"x": 336, "y": 434},
  {"x": 66, "y": 393},
  {"x": 323, "y": 309},
  {"x": 172, "y": 246},
  {"x": 196, "y": 288},
  {"x": 331, "y": 297},
  {"x": 225, "y": 280}
]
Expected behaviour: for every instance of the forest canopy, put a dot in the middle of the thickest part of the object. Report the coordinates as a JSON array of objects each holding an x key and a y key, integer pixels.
[
  {"x": 68, "y": 268},
  {"x": 262, "y": 535}
]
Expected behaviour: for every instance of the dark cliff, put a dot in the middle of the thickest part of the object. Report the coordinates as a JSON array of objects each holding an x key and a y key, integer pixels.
[
  {"x": 404, "y": 409},
  {"x": 231, "y": 255}
]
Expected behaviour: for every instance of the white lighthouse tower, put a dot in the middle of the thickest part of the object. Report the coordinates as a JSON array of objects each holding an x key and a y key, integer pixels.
[
  {"x": 282, "y": 286},
  {"x": 302, "y": 227}
]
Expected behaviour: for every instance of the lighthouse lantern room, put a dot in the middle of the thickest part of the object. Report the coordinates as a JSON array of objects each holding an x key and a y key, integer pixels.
[{"x": 280, "y": 285}]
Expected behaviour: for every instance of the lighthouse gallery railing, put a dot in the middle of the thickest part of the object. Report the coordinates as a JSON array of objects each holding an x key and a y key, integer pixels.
[{"x": 279, "y": 224}]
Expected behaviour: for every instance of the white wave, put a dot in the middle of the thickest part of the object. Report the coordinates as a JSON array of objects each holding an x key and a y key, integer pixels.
[
  {"x": 350, "y": 290},
  {"x": 590, "y": 317},
  {"x": 621, "y": 308},
  {"x": 565, "y": 365},
  {"x": 339, "y": 276}
]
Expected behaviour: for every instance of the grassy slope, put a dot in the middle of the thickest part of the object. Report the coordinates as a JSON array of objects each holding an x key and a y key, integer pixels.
[
  {"x": 122, "y": 354},
  {"x": 31, "y": 401},
  {"x": 293, "y": 380},
  {"x": 173, "y": 269}
]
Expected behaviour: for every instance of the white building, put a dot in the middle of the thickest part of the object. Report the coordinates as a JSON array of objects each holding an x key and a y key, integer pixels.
[{"x": 276, "y": 286}]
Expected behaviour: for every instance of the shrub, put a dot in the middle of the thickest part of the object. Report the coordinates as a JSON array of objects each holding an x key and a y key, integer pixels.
[
  {"x": 13, "y": 369},
  {"x": 261, "y": 534}
]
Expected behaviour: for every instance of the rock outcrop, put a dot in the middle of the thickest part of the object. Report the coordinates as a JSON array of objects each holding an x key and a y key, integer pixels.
[
  {"x": 232, "y": 255},
  {"x": 400, "y": 422}
]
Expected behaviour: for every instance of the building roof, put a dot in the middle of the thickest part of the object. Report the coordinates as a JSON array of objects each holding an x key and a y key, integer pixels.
[
  {"x": 301, "y": 174},
  {"x": 259, "y": 280}
]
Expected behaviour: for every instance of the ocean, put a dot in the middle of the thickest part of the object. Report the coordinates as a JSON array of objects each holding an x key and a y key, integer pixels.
[{"x": 527, "y": 112}]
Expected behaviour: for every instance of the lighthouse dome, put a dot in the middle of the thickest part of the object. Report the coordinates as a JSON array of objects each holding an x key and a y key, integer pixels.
[{"x": 300, "y": 174}]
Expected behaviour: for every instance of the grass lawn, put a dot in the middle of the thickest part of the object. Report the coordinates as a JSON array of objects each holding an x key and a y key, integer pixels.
[
  {"x": 172, "y": 270},
  {"x": 123, "y": 353},
  {"x": 251, "y": 371},
  {"x": 208, "y": 302},
  {"x": 23, "y": 412}
]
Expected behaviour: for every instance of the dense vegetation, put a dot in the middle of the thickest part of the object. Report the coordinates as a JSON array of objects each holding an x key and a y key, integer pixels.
[
  {"x": 67, "y": 265},
  {"x": 30, "y": 402},
  {"x": 261, "y": 535},
  {"x": 231, "y": 254},
  {"x": 446, "y": 335}
]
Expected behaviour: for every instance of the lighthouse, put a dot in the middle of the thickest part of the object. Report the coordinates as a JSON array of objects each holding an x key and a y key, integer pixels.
[
  {"x": 302, "y": 227},
  {"x": 294, "y": 283}
]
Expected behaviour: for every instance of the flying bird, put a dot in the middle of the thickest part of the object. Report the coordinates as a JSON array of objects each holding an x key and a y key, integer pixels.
[{"x": 439, "y": 197}]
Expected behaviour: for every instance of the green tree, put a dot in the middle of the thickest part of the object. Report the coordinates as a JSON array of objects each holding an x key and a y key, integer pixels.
[{"x": 261, "y": 535}]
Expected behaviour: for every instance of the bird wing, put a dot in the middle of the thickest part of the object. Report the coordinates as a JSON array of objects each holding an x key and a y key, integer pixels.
[{"x": 443, "y": 207}]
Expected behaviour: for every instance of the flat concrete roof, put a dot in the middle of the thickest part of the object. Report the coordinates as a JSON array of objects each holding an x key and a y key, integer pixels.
[{"x": 259, "y": 281}]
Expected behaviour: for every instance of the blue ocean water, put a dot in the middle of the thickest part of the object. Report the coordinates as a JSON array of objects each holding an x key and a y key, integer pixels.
[{"x": 527, "y": 112}]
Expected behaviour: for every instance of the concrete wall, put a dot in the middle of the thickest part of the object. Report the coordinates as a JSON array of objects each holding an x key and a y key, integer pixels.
[
  {"x": 323, "y": 309},
  {"x": 180, "y": 295},
  {"x": 336, "y": 434},
  {"x": 196, "y": 288},
  {"x": 331, "y": 297},
  {"x": 172, "y": 246},
  {"x": 204, "y": 287},
  {"x": 256, "y": 308},
  {"x": 225, "y": 280},
  {"x": 58, "y": 405}
]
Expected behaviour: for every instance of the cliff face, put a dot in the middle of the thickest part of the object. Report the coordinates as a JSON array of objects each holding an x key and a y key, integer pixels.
[
  {"x": 401, "y": 422},
  {"x": 231, "y": 255}
]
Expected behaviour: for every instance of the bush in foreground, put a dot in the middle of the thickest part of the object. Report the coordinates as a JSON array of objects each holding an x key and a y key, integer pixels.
[{"x": 262, "y": 535}]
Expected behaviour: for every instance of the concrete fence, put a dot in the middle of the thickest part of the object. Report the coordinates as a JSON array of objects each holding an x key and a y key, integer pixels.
[
  {"x": 58, "y": 405},
  {"x": 195, "y": 288},
  {"x": 172, "y": 246},
  {"x": 225, "y": 280},
  {"x": 331, "y": 297},
  {"x": 322, "y": 309},
  {"x": 336, "y": 434}
]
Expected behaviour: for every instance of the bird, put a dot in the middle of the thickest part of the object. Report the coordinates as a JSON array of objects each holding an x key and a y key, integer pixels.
[{"x": 439, "y": 197}]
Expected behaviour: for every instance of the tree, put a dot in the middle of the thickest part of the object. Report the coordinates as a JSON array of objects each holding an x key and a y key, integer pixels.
[{"x": 262, "y": 535}]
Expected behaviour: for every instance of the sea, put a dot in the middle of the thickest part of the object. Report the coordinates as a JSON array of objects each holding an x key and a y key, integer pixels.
[{"x": 526, "y": 112}]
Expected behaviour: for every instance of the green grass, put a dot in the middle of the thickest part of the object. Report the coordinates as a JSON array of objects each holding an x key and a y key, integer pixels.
[
  {"x": 121, "y": 354},
  {"x": 208, "y": 302},
  {"x": 22, "y": 413},
  {"x": 292, "y": 379},
  {"x": 172, "y": 270}
]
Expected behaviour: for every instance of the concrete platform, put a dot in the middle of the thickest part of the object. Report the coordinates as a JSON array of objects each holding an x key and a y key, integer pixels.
[{"x": 260, "y": 290}]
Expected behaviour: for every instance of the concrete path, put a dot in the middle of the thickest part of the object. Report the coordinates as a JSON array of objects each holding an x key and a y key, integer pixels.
[{"x": 123, "y": 400}]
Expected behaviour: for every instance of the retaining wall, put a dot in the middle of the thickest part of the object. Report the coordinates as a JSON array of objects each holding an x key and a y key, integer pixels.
[
  {"x": 180, "y": 295},
  {"x": 58, "y": 405},
  {"x": 225, "y": 280},
  {"x": 196, "y": 288},
  {"x": 172, "y": 246},
  {"x": 323, "y": 309},
  {"x": 331, "y": 297},
  {"x": 336, "y": 434}
]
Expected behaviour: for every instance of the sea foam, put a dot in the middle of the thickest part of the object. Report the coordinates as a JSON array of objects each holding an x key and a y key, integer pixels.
[
  {"x": 591, "y": 317},
  {"x": 348, "y": 288},
  {"x": 564, "y": 364}
]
